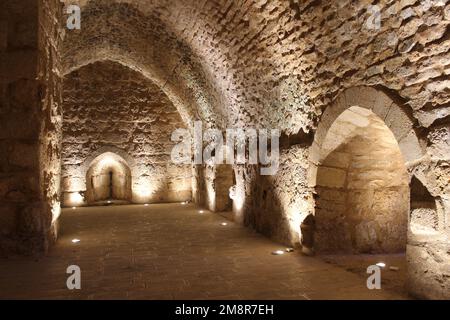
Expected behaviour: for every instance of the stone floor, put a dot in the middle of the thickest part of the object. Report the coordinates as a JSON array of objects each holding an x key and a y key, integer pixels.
[
  {"x": 393, "y": 274},
  {"x": 171, "y": 251}
]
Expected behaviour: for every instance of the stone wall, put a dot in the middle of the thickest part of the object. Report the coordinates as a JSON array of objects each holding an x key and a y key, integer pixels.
[
  {"x": 29, "y": 138},
  {"x": 51, "y": 35},
  {"x": 274, "y": 64},
  {"x": 283, "y": 64},
  {"x": 110, "y": 108},
  {"x": 276, "y": 205},
  {"x": 212, "y": 183}
]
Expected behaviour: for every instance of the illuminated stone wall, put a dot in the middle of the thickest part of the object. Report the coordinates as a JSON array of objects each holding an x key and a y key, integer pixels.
[
  {"x": 30, "y": 98},
  {"x": 272, "y": 64},
  {"x": 277, "y": 205},
  {"x": 211, "y": 186},
  {"x": 362, "y": 193},
  {"x": 110, "y": 108}
]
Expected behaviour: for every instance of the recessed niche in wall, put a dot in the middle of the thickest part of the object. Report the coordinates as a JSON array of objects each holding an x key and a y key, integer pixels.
[
  {"x": 362, "y": 187},
  {"x": 108, "y": 179},
  {"x": 218, "y": 179},
  {"x": 225, "y": 179},
  {"x": 424, "y": 218}
]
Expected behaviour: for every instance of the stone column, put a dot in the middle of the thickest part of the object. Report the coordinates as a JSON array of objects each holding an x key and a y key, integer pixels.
[{"x": 29, "y": 97}]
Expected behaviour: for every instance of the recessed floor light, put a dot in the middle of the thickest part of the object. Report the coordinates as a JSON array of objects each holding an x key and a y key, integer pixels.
[
  {"x": 146, "y": 204},
  {"x": 201, "y": 211},
  {"x": 224, "y": 224},
  {"x": 381, "y": 264},
  {"x": 278, "y": 252},
  {"x": 75, "y": 240}
]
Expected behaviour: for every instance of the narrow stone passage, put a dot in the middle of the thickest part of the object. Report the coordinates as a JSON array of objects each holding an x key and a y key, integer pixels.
[{"x": 172, "y": 251}]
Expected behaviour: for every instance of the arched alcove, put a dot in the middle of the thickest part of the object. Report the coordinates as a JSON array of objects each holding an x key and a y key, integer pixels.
[
  {"x": 424, "y": 218},
  {"x": 362, "y": 148},
  {"x": 108, "y": 179},
  {"x": 361, "y": 188}
]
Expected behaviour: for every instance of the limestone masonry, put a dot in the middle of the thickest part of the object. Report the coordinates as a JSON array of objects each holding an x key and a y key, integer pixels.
[{"x": 86, "y": 118}]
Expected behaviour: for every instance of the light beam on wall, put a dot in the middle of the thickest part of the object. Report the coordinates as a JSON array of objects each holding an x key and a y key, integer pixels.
[
  {"x": 232, "y": 192},
  {"x": 56, "y": 211},
  {"x": 75, "y": 199},
  {"x": 141, "y": 192}
]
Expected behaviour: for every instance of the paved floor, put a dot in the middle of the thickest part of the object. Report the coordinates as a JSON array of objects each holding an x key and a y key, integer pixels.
[
  {"x": 393, "y": 274},
  {"x": 171, "y": 251}
]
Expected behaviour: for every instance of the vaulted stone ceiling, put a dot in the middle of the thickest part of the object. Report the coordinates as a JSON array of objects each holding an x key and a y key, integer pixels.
[
  {"x": 268, "y": 63},
  {"x": 292, "y": 65}
]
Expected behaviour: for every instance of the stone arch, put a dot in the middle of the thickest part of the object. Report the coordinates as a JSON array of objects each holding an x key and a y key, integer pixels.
[
  {"x": 121, "y": 154},
  {"x": 206, "y": 42},
  {"x": 108, "y": 179},
  {"x": 397, "y": 118},
  {"x": 144, "y": 43},
  {"x": 401, "y": 125},
  {"x": 105, "y": 149},
  {"x": 182, "y": 103},
  {"x": 426, "y": 216},
  {"x": 75, "y": 185}
]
